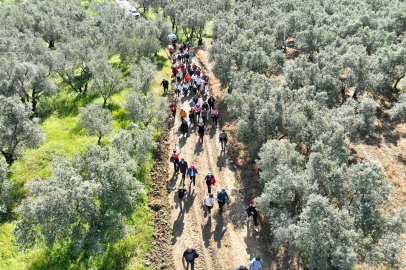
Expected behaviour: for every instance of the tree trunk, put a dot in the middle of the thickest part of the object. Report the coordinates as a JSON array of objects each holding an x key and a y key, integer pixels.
[
  {"x": 84, "y": 91},
  {"x": 98, "y": 142},
  {"x": 9, "y": 157},
  {"x": 200, "y": 42},
  {"x": 395, "y": 87},
  {"x": 105, "y": 102}
]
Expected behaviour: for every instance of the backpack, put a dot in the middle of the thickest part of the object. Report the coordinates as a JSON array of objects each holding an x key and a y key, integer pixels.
[
  {"x": 242, "y": 267},
  {"x": 172, "y": 159}
]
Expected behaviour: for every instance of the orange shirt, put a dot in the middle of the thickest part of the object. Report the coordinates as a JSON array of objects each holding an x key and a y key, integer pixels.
[{"x": 187, "y": 77}]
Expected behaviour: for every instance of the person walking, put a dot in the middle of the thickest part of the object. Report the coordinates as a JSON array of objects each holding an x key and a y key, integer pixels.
[
  {"x": 182, "y": 114},
  {"x": 189, "y": 256},
  {"x": 192, "y": 117},
  {"x": 185, "y": 88},
  {"x": 174, "y": 70},
  {"x": 210, "y": 180},
  {"x": 223, "y": 139},
  {"x": 190, "y": 54},
  {"x": 195, "y": 100},
  {"x": 211, "y": 102},
  {"x": 256, "y": 263},
  {"x": 182, "y": 192},
  {"x": 179, "y": 58},
  {"x": 171, "y": 50},
  {"x": 165, "y": 84},
  {"x": 173, "y": 108},
  {"x": 209, "y": 202},
  {"x": 214, "y": 116},
  {"x": 200, "y": 130},
  {"x": 192, "y": 172},
  {"x": 184, "y": 127},
  {"x": 206, "y": 85},
  {"x": 205, "y": 106},
  {"x": 252, "y": 211},
  {"x": 198, "y": 110},
  {"x": 194, "y": 88},
  {"x": 183, "y": 169},
  {"x": 177, "y": 90},
  {"x": 198, "y": 82},
  {"x": 175, "y": 158},
  {"x": 222, "y": 196},
  {"x": 204, "y": 116},
  {"x": 178, "y": 76}
]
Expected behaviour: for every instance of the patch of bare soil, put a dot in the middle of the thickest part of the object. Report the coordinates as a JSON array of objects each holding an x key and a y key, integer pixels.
[{"x": 161, "y": 255}]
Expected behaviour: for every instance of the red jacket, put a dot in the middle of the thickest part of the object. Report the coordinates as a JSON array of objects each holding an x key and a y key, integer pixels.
[
  {"x": 174, "y": 70},
  {"x": 213, "y": 181}
]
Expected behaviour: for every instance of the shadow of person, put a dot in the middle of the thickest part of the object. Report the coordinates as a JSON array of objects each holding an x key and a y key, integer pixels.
[
  {"x": 198, "y": 148},
  {"x": 220, "y": 229},
  {"x": 172, "y": 182},
  {"x": 178, "y": 227},
  {"x": 182, "y": 141},
  {"x": 207, "y": 233}
]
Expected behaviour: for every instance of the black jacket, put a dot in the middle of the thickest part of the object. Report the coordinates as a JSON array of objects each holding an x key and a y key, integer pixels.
[
  {"x": 205, "y": 106},
  {"x": 183, "y": 167},
  {"x": 211, "y": 101}
]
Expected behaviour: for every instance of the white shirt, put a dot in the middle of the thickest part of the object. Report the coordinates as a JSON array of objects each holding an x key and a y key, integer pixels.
[
  {"x": 194, "y": 77},
  {"x": 185, "y": 86},
  {"x": 199, "y": 81},
  {"x": 210, "y": 201}
]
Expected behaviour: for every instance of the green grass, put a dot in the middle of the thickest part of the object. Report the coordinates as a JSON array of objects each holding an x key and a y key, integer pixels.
[{"x": 65, "y": 137}]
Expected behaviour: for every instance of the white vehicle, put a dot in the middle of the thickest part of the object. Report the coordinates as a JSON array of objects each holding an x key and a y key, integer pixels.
[
  {"x": 172, "y": 36},
  {"x": 135, "y": 13}
]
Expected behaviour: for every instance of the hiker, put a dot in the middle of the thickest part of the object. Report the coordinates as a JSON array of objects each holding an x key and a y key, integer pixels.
[
  {"x": 179, "y": 58},
  {"x": 186, "y": 55},
  {"x": 182, "y": 114},
  {"x": 195, "y": 100},
  {"x": 173, "y": 108},
  {"x": 182, "y": 67},
  {"x": 189, "y": 255},
  {"x": 256, "y": 263},
  {"x": 211, "y": 102},
  {"x": 204, "y": 116},
  {"x": 200, "y": 130},
  {"x": 174, "y": 59},
  {"x": 185, "y": 88},
  {"x": 187, "y": 77},
  {"x": 194, "y": 88},
  {"x": 194, "y": 77},
  {"x": 223, "y": 139},
  {"x": 184, "y": 127},
  {"x": 165, "y": 84},
  {"x": 194, "y": 66},
  {"x": 178, "y": 76},
  {"x": 209, "y": 202},
  {"x": 177, "y": 90},
  {"x": 184, "y": 73},
  {"x": 191, "y": 54},
  {"x": 175, "y": 158},
  {"x": 204, "y": 77},
  {"x": 221, "y": 198},
  {"x": 210, "y": 181},
  {"x": 181, "y": 194},
  {"x": 183, "y": 168},
  {"x": 197, "y": 110},
  {"x": 205, "y": 106},
  {"x": 192, "y": 172},
  {"x": 206, "y": 85},
  {"x": 252, "y": 211},
  {"x": 171, "y": 50},
  {"x": 214, "y": 116},
  {"x": 242, "y": 267},
  {"x": 192, "y": 117},
  {"x": 198, "y": 82},
  {"x": 174, "y": 70},
  {"x": 198, "y": 71}
]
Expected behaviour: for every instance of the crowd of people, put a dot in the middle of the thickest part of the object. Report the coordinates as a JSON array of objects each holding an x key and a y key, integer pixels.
[{"x": 189, "y": 78}]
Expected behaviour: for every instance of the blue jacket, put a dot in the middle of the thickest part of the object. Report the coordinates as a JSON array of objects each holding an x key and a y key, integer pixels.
[
  {"x": 222, "y": 196},
  {"x": 189, "y": 171}
]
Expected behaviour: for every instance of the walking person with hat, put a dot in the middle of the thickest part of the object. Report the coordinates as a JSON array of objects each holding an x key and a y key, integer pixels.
[
  {"x": 175, "y": 158},
  {"x": 222, "y": 196},
  {"x": 252, "y": 211},
  {"x": 209, "y": 180},
  {"x": 183, "y": 168}
]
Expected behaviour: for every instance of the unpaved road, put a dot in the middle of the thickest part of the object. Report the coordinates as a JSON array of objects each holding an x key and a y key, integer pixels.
[{"x": 225, "y": 240}]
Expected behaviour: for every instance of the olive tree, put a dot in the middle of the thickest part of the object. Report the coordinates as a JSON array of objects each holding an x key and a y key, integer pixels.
[
  {"x": 96, "y": 120},
  {"x": 6, "y": 189},
  {"x": 85, "y": 201},
  {"x": 400, "y": 108},
  {"x": 18, "y": 130}
]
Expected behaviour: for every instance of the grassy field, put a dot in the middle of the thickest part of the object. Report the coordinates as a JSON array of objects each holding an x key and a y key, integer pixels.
[{"x": 59, "y": 116}]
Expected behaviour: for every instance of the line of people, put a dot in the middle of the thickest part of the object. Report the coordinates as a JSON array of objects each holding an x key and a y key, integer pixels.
[{"x": 188, "y": 77}]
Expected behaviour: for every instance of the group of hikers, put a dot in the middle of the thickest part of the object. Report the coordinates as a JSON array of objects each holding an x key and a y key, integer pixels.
[{"x": 188, "y": 76}]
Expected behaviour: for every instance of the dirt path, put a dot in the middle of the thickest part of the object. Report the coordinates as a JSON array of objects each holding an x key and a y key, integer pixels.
[{"x": 225, "y": 240}]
